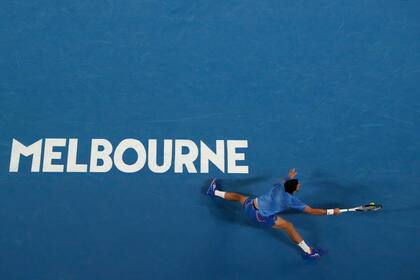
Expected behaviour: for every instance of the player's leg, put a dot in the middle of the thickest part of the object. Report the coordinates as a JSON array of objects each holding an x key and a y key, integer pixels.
[
  {"x": 288, "y": 227},
  {"x": 231, "y": 196}
]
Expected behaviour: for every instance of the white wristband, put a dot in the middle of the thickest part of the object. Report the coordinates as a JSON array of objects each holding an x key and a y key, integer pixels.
[{"x": 330, "y": 211}]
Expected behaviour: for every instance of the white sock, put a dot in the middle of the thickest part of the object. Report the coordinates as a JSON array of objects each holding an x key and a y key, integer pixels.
[
  {"x": 219, "y": 194},
  {"x": 304, "y": 247}
]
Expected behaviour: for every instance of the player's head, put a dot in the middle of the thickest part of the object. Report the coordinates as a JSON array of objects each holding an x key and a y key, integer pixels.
[{"x": 291, "y": 186}]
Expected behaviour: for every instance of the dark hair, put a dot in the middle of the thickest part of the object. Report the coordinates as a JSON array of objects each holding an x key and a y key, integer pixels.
[{"x": 291, "y": 185}]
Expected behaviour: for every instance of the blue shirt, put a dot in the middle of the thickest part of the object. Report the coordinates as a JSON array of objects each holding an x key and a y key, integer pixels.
[{"x": 277, "y": 200}]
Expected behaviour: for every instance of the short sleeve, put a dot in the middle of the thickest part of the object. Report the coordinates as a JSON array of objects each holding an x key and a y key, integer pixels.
[{"x": 295, "y": 203}]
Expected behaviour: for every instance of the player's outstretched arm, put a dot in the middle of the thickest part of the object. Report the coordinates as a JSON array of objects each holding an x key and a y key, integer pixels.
[{"x": 319, "y": 211}]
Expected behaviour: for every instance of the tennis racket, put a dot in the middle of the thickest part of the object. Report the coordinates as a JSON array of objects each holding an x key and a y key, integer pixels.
[{"x": 363, "y": 208}]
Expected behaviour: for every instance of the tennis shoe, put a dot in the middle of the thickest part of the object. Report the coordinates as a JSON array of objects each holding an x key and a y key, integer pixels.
[
  {"x": 212, "y": 188},
  {"x": 315, "y": 254}
]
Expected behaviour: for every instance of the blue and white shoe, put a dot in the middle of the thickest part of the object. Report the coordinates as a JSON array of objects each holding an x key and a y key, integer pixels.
[
  {"x": 315, "y": 254},
  {"x": 212, "y": 188}
]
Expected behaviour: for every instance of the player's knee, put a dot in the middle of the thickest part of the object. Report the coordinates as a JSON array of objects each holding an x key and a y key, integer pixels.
[
  {"x": 289, "y": 225},
  {"x": 284, "y": 225}
]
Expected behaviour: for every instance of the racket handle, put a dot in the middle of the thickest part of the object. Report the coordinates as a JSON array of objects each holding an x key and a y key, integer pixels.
[{"x": 347, "y": 210}]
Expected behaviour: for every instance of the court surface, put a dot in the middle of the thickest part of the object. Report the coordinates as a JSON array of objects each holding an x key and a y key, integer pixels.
[{"x": 328, "y": 87}]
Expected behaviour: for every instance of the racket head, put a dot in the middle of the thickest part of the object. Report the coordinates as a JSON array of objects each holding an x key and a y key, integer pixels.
[{"x": 369, "y": 207}]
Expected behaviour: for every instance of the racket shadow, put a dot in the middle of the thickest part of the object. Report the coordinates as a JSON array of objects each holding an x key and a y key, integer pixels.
[{"x": 403, "y": 209}]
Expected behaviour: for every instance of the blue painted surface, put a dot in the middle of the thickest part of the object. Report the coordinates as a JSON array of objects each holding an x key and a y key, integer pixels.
[{"x": 328, "y": 87}]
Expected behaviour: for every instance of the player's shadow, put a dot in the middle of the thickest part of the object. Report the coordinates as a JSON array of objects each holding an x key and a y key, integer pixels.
[
  {"x": 235, "y": 184},
  {"x": 228, "y": 212},
  {"x": 330, "y": 192},
  {"x": 327, "y": 192}
]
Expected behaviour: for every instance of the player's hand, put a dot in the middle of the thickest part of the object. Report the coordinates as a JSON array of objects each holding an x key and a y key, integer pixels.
[
  {"x": 292, "y": 173},
  {"x": 337, "y": 211}
]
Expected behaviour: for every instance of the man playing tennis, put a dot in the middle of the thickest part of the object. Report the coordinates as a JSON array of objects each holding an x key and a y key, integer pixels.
[{"x": 265, "y": 208}]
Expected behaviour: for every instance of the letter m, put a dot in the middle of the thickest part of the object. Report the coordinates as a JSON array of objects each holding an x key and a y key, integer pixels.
[{"x": 33, "y": 150}]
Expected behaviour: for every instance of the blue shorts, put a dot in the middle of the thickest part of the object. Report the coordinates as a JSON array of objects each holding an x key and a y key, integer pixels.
[{"x": 254, "y": 214}]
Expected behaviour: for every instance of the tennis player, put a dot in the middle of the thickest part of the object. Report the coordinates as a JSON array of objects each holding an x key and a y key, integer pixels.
[{"x": 265, "y": 209}]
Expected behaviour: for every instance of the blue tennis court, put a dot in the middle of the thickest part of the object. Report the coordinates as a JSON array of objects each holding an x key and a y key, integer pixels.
[{"x": 328, "y": 87}]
